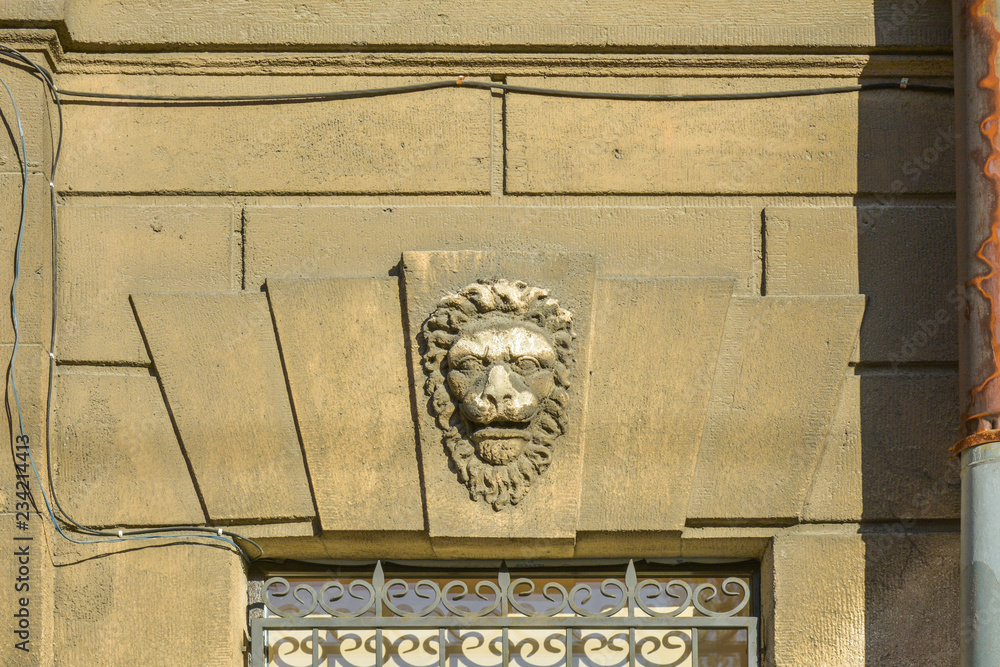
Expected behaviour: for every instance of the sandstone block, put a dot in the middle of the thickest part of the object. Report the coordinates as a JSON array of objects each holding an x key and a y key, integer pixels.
[
  {"x": 907, "y": 268},
  {"x": 344, "y": 348},
  {"x": 906, "y": 143},
  {"x": 174, "y": 604},
  {"x": 219, "y": 364},
  {"x": 787, "y": 146},
  {"x": 776, "y": 386},
  {"x": 34, "y": 290},
  {"x": 550, "y": 508},
  {"x": 656, "y": 341},
  {"x": 107, "y": 252},
  {"x": 30, "y": 97},
  {"x": 598, "y": 146},
  {"x": 772, "y": 23},
  {"x": 814, "y": 592},
  {"x": 908, "y": 422},
  {"x": 432, "y": 141},
  {"x": 912, "y": 599},
  {"x": 626, "y": 240},
  {"x": 811, "y": 250},
  {"x": 836, "y": 494},
  {"x": 117, "y": 459}
]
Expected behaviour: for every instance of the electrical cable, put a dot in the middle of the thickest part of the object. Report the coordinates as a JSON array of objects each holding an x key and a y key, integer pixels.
[
  {"x": 707, "y": 97},
  {"x": 291, "y": 97},
  {"x": 462, "y": 82},
  {"x": 121, "y": 535}
]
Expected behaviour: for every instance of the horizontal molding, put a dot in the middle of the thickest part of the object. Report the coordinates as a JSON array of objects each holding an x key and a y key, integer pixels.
[
  {"x": 665, "y": 25},
  {"x": 437, "y": 61}
]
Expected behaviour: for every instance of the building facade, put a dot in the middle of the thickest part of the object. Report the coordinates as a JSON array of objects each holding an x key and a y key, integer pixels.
[{"x": 468, "y": 322}]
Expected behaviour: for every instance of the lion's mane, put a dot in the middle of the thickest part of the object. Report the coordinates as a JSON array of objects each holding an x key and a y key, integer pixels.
[{"x": 505, "y": 484}]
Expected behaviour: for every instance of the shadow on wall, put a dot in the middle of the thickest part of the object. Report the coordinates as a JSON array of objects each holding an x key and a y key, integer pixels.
[{"x": 908, "y": 364}]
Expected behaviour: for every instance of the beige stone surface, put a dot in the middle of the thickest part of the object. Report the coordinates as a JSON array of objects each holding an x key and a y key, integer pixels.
[
  {"x": 34, "y": 290},
  {"x": 176, "y": 605},
  {"x": 453, "y": 548},
  {"x": 912, "y": 599},
  {"x": 351, "y": 545},
  {"x": 30, "y": 374},
  {"x": 550, "y": 510},
  {"x": 29, "y": 95},
  {"x": 788, "y": 145},
  {"x": 776, "y": 386},
  {"x": 814, "y": 594},
  {"x": 366, "y": 240},
  {"x": 107, "y": 251},
  {"x": 218, "y": 361},
  {"x": 432, "y": 141},
  {"x": 282, "y": 530},
  {"x": 627, "y": 544},
  {"x": 370, "y": 545},
  {"x": 32, "y": 10},
  {"x": 837, "y": 492},
  {"x": 726, "y": 542},
  {"x": 811, "y": 250},
  {"x": 770, "y": 23},
  {"x": 901, "y": 257},
  {"x": 116, "y": 458},
  {"x": 908, "y": 422},
  {"x": 344, "y": 348},
  {"x": 27, "y": 570},
  {"x": 906, "y": 142},
  {"x": 656, "y": 341},
  {"x": 907, "y": 267}
]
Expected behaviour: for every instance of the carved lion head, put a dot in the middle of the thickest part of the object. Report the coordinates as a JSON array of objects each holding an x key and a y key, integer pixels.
[{"x": 498, "y": 355}]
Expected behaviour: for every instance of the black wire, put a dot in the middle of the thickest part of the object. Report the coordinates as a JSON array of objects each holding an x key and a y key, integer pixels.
[
  {"x": 291, "y": 97},
  {"x": 523, "y": 90},
  {"x": 47, "y": 79},
  {"x": 654, "y": 97}
]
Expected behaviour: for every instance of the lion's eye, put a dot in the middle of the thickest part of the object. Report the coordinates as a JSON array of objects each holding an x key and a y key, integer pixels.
[
  {"x": 527, "y": 365},
  {"x": 468, "y": 364}
]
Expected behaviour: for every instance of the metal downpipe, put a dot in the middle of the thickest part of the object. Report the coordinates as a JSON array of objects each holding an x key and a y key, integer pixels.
[{"x": 977, "y": 109}]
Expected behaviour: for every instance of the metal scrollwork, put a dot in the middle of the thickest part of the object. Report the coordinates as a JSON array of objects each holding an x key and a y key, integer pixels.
[
  {"x": 523, "y": 621},
  {"x": 463, "y": 589},
  {"x": 305, "y": 606},
  {"x": 351, "y": 591},
  {"x": 577, "y": 602},
  {"x": 663, "y": 589},
  {"x": 404, "y": 589},
  {"x": 522, "y": 596},
  {"x": 547, "y": 592},
  {"x": 731, "y": 586}
]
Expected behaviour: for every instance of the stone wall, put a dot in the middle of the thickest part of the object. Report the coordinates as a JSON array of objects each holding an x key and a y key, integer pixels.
[{"x": 762, "y": 294}]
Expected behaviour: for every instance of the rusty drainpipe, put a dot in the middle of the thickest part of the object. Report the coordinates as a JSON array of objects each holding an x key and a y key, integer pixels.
[{"x": 977, "y": 113}]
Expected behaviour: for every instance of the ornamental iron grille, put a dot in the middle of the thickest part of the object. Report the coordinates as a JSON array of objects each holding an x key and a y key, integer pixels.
[{"x": 563, "y": 619}]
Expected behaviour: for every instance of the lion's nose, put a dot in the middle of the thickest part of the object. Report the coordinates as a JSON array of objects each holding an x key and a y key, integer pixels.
[{"x": 499, "y": 389}]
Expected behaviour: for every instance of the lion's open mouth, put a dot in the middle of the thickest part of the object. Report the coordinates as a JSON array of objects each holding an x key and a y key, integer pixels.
[{"x": 499, "y": 430}]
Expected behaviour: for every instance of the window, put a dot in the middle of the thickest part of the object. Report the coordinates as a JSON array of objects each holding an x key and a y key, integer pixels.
[{"x": 575, "y": 614}]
